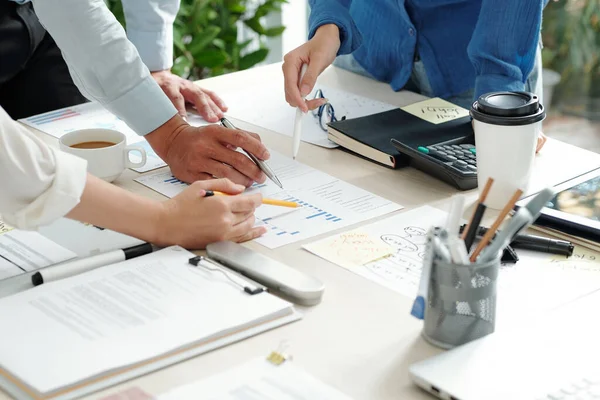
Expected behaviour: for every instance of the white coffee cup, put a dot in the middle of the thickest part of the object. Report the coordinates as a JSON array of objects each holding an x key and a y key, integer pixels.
[
  {"x": 507, "y": 126},
  {"x": 104, "y": 162}
]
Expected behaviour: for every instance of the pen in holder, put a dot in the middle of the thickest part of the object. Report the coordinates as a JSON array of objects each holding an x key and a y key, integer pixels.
[{"x": 461, "y": 301}]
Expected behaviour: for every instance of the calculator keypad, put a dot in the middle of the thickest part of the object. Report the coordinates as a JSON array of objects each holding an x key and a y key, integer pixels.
[{"x": 460, "y": 156}]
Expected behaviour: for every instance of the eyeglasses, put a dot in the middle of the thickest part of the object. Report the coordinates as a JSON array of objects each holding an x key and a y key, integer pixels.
[{"x": 325, "y": 113}]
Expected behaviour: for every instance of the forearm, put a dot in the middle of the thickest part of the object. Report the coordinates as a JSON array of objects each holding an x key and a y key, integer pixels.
[
  {"x": 336, "y": 12},
  {"x": 104, "y": 65},
  {"x": 111, "y": 207},
  {"x": 504, "y": 64}
]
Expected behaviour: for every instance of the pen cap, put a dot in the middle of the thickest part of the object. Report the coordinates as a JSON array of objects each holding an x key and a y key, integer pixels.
[{"x": 461, "y": 302}]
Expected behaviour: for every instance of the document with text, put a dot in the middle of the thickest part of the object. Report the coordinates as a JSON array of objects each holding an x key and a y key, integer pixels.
[
  {"x": 326, "y": 203},
  {"x": 122, "y": 315}
]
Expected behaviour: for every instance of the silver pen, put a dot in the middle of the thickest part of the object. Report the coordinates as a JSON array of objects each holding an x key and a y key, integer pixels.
[{"x": 264, "y": 167}]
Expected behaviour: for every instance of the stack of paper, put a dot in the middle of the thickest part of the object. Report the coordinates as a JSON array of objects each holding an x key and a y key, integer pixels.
[
  {"x": 105, "y": 323},
  {"x": 327, "y": 203}
]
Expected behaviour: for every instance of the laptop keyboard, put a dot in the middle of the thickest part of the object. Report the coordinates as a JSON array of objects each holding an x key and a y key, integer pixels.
[{"x": 585, "y": 389}]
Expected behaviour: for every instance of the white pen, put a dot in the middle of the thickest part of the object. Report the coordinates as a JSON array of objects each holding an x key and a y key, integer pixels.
[
  {"x": 298, "y": 120},
  {"x": 456, "y": 211},
  {"x": 418, "y": 308},
  {"x": 81, "y": 265}
]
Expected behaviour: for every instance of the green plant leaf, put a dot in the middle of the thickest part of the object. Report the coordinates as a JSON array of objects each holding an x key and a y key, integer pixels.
[
  {"x": 201, "y": 40},
  {"x": 219, "y": 43},
  {"x": 255, "y": 25},
  {"x": 211, "y": 58},
  {"x": 178, "y": 40},
  {"x": 182, "y": 66},
  {"x": 275, "y": 31},
  {"x": 251, "y": 59}
]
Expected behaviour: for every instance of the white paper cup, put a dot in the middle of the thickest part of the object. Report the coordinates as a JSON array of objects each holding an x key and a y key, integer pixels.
[
  {"x": 506, "y": 125},
  {"x": 105, "y": 162}
]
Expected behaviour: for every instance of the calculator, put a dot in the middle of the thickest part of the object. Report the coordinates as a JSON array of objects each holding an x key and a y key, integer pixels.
[{"x": 453, "y": 161}]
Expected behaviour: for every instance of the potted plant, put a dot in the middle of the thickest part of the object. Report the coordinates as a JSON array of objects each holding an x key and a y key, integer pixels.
[{"x": 207, "y": 39}]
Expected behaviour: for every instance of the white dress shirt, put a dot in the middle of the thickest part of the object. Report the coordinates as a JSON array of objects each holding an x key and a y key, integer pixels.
[
  {"x": 38, "y": 184},
  {"x": 105, "y": 66}
]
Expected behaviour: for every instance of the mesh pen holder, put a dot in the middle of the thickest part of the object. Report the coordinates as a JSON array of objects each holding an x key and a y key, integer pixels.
[{"x": 461, "y": 302}]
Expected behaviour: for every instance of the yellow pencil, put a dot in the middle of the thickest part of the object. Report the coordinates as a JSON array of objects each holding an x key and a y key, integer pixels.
[{"x": 272, "y": 202}]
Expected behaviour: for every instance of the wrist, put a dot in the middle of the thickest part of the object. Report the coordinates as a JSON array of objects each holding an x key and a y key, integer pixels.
[
  {"x": 329, "y": 33},
  {"x": 163, "y": 137}
]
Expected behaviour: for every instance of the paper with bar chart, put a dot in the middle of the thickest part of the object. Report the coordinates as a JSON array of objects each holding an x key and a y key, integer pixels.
[
  {"x": 92, "y": 115},
  {"x": 327, "y": 203}
]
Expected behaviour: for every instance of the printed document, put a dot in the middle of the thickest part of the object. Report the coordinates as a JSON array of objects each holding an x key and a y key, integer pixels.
[
  {"x": 274, "y": 113},
  {"x": 327, "y": 203},
  {"x": 67, "y": 331}
]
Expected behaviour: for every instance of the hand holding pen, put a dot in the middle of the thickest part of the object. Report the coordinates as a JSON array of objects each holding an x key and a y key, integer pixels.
[{"x": 264, "y": 167}]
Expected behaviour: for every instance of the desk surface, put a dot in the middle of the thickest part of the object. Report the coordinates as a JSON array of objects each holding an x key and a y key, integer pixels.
[{"x": 361, "y": 338}]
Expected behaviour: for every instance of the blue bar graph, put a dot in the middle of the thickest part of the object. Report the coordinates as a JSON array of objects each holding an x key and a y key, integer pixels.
[{"x": 316, "y": 215}]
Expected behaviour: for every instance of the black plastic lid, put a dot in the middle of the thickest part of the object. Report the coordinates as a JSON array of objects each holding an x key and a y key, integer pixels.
[{"x": 508, "y": 108}]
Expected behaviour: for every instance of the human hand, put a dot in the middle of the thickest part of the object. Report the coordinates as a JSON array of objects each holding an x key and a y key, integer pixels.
[
  {"x": 192, "y": 221},
  {"x": 179, "y": 90},
  {"x": 541, "y": 141},
  {"x": 318, "y": 53},
  {"x": 200, "y": 153}
]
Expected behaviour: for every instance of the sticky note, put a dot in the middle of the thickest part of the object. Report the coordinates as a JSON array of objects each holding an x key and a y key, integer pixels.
[
  {"x": 4, "y": 227},
  {"x": 351, "y": 249},
  {"x": 436, "y": 110}
]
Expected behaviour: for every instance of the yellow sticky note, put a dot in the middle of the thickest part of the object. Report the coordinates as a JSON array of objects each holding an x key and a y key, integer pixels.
[
  {"x": 351, "y": 249},
  {"x": 4, "y": 227},
  {"x": 436, "y": 110}
]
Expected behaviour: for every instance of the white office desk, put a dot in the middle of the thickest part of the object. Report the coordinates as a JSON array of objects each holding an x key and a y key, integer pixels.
[{"x": 361, "y": 338}]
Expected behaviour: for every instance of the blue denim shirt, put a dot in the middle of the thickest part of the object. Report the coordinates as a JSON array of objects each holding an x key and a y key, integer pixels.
[{"x": 485, "y": 45}]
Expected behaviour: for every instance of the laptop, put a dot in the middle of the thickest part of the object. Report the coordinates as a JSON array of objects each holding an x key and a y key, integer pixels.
[{"x": 556, "y": 357}]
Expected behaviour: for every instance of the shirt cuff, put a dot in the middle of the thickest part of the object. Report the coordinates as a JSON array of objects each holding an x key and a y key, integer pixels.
[
  {"x": 496, "y": 83},
  {"x": 350, "y": 37},
  {"x": 155, "y": 47},
  {"x": 61, "y": 197},
  {"x": 144, "y": 108}
]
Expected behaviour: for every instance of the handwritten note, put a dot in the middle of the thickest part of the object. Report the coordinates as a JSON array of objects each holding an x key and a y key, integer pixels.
[
  {"x": 405, "y": 234},
  {"x": 4, "y": 227},
  {"x": 581, "y": 260},
  {"x": 351, "y": 249},
  {"x": 436, "y": 110}
]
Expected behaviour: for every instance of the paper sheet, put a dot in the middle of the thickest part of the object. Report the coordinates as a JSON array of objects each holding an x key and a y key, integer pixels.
[
  {"x": 535, "y": 284},
  {"x": 257, "y": 380},
  {"x": 351, "y": 249},
  {"x": 93, "y": 115},
  {"x": 436, "y": 110},
  {"x": 264, "y": 105},
  {"x": 405, "y": 233},
  {"x": 122, "y": 314},
  {"x": 23, "y": 251},
  {"x": 327, "y": 202}
]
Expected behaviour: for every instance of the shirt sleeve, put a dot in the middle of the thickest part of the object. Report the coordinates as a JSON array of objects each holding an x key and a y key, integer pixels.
[
  {"x": 504, "y": 44},
  {"x": 38, "y": 183},
  {"x": 150, "y": 29},
  {"x": 323, "y": 12},
  {"x": 105, "y": 66}
]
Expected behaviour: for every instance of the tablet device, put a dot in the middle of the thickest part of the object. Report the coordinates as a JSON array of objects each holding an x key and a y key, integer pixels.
[{"x": 575, "y": 209}]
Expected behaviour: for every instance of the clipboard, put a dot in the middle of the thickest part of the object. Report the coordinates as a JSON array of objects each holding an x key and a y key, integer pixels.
[{"x": 20, "y": 390}]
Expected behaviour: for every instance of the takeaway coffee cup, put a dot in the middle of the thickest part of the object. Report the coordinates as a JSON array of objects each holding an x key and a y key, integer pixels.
[
  {"x": 506, "y": 125},
  {"x": 105, "y": 150}
]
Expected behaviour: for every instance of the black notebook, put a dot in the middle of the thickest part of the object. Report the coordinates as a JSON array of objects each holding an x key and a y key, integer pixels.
[{"x": 421, "y": 124}]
